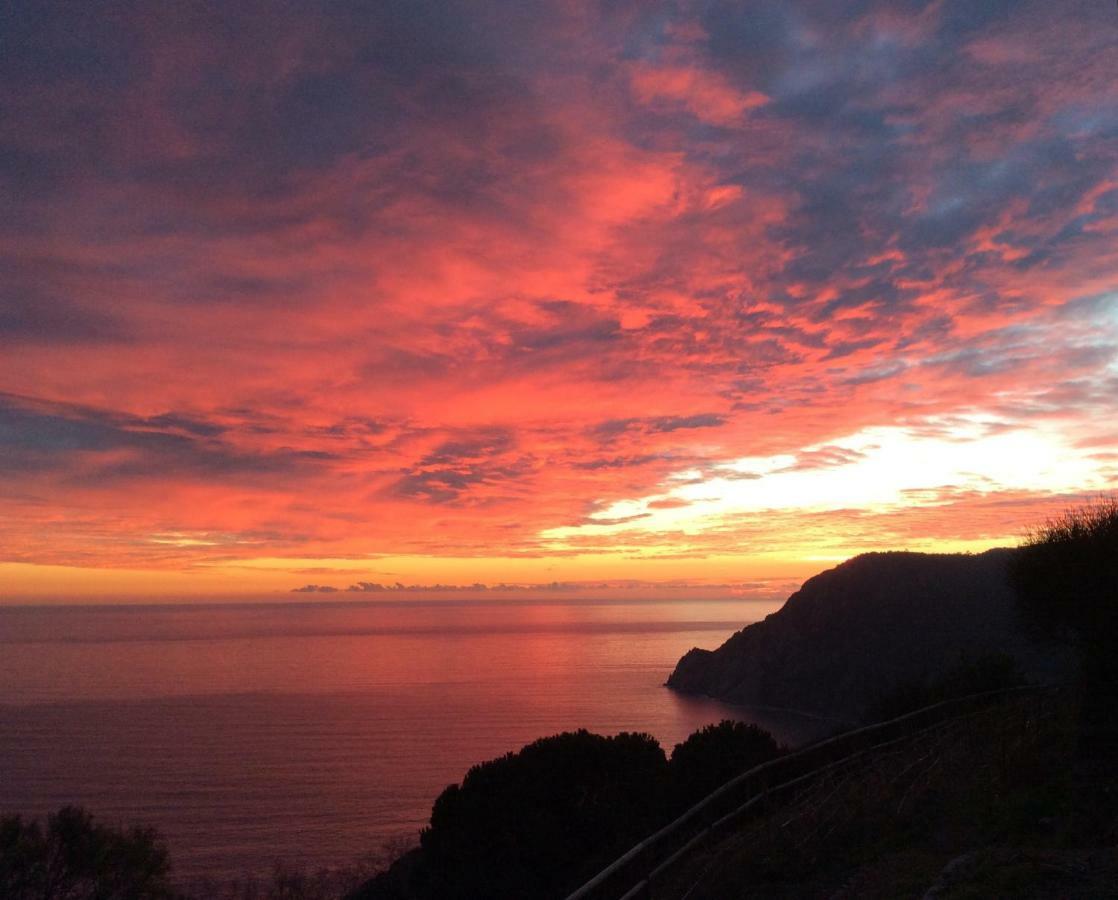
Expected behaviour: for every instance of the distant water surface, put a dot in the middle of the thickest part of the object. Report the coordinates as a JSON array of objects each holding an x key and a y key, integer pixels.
[{"x": 312, "y": 733}]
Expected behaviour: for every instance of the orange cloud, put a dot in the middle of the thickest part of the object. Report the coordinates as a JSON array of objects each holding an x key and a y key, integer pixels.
[
  {"x": 707, "y": 96},
  {"x": 439, "y": 287}
]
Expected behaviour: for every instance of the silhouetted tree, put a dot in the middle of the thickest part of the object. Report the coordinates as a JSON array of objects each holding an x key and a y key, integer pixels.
[
  {"x": 76, "y": 859},
  {"x": 538, "y": 822},
  {"x": 713, "y": 755}
]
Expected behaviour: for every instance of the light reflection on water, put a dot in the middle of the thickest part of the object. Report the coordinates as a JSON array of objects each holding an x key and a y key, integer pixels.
[{"x": 312, "y": 733}]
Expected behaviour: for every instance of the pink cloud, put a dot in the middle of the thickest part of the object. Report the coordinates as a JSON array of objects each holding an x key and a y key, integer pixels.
[{"x": 398, "y": 296}]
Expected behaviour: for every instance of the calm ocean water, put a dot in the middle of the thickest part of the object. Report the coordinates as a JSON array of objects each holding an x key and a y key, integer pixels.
[{"x": 312, "y": 733}]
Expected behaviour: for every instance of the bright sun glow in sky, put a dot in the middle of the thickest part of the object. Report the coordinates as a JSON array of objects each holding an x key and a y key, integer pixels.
[
  {"x": 661, "y": 297},
  {"x": 875, "y": 469}
]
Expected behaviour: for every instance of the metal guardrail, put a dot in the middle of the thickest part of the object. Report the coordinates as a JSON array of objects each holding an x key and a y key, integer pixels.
[{"x": 630, "y": 876}]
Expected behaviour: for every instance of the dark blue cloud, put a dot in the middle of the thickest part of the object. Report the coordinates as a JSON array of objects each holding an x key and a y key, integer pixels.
[
  {"x": 959, "y": 18},
  {"x": 618, "y": 462},
  {"x": 675, "y": 423},
  {"x": 612, "y": 428},
  {"x": 567, "y": 336},
  {"x": 478, "y": 446},
  {"x": 32, "y": 315},
  {"x": 357, "y": 78},
  {"x": 458, "y": 484},
  {"x": 456, "y": 468},
  {"x": 883, "y": 162},
  {"x": 36, "y": 436}
]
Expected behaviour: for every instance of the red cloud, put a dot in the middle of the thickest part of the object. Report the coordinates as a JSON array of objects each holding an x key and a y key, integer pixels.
[{"x": 321, "y": 298}]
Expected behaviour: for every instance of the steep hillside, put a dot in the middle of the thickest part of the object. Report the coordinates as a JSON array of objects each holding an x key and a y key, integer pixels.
[{"x": 854, "y": 633}]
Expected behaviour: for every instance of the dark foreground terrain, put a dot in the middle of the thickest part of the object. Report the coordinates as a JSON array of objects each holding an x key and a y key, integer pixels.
[{"x": 999, "y": 804}]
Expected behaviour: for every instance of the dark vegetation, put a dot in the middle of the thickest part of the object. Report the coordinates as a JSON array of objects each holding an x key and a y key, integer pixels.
[
  {"x": 75, "y": 858},
  {"x": 1066, "y": 573},
  {"x": 713, "y": 755},
  {"x": 1066, "y": 578},
  {"x": 521, "y": 825},
  {"x": 539, "y": 822},
  {"x": 990, "y": 805},
  {"x": 990, "y": 672}
]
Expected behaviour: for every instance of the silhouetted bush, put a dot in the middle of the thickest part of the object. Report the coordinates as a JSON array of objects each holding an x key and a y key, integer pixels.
[
  {"x": 1066, "y": 578},
  {"x": 713, "y": 755},
  {"x": 542, "y": 821},
  {"x": 537, "y": 822},
  {"x": 991, "y": 672},
  {"x": 1066, "y": 573},
  {"x": 76, "y": 859}
]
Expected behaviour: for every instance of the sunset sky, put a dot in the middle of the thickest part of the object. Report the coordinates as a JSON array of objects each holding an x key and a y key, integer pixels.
[{"x": 620, "y": 295}]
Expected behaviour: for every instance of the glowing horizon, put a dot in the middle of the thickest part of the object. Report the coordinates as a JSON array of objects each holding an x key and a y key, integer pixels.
[{"x": 687, "y": 298}]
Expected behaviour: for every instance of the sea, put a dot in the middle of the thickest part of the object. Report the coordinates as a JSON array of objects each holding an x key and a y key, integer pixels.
[{"x": 313, "y": 735}]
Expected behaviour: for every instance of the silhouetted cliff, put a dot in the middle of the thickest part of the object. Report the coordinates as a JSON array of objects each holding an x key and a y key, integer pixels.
[{"x": 856, "y": 632}]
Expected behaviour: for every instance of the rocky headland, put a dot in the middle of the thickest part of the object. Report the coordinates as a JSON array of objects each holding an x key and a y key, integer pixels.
[{"x": 853, "y": 634}]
